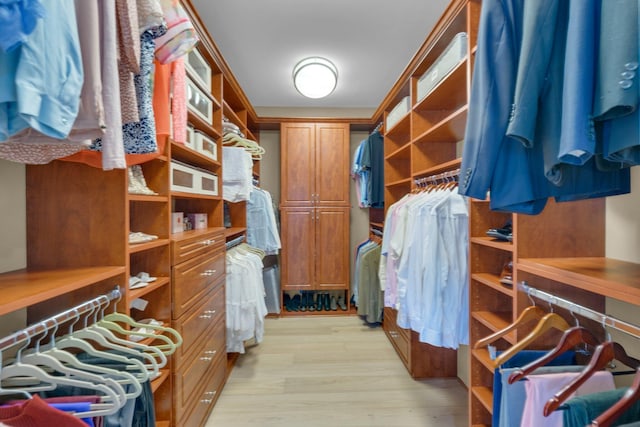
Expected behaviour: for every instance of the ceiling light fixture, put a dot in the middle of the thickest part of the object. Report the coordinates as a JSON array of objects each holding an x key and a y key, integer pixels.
[{"x": 315, "y": 77}]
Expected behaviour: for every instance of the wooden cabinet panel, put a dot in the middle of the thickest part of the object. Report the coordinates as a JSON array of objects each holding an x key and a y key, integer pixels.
[
  {"x": 298, "y": 243},
  {"x": 332, "y": 164},
  {"x": 332, "y": 248},
  {"x": 192, "y": 278},
  {"x": 298, "y": 176},
  {"x": 196, "y": 243},
  {"x": 203, "y": 402},
  {"x": 195, "y": 325}
]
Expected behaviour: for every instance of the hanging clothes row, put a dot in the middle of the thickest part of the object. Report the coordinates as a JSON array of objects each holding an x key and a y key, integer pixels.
[
  {"x": 366, "y": 290},
  {"x": 84, "y": 367},
  {"x": 424, "y": 263},
  {"x": 262, "y": 227},
  {"x": 367, "y": 170},
  {"x": 245, "y": 296},
  {"x": 553, "y": 387},
  {"x": 93, "y": 98},
  {"x": 536, "y": 131}
]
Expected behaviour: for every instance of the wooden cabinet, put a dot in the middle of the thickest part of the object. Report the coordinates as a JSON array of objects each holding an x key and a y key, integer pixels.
[
  {"x": 199, "y": 315},
  {"x": 315, "y": 206},
  {"x": 558, "y": 251},
  {"x": 423, "y": 142},
  {"x": 315, "y": 164},
  {"x": 316, "y": 241}
]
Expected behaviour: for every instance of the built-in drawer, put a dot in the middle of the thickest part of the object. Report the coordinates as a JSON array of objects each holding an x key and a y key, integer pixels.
[
  {"x": 184, "y": 249},
  {"x": 198, "y": 323},
  {"x": 399, "y": 337},
  {"x": 199, "y": 409},
  {"x": 189, "y": 375},
  {"x": 192, "y": 278}
]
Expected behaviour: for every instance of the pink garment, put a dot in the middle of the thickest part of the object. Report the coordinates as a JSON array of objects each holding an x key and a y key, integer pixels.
[
  {"x": 540, "y": 388},
  {"x": 179, "y": 101},
  {"x": 35, "y": 412}
]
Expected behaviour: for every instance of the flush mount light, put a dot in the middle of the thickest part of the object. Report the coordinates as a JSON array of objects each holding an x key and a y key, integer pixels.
[{"x": 315, "y": 77}]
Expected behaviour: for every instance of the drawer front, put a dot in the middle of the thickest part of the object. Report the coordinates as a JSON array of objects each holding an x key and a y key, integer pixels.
[
  {"x": 398, "y": 336},
  {"x": 185, "y": 249},
  {"x": 192, "y": 278},
  {"x": 198, "y": 323},
  {"x": 198, "y": 407}
]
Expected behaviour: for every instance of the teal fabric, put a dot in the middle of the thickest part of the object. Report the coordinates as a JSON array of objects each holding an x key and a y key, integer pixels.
[{"x": 582, "y": 410}]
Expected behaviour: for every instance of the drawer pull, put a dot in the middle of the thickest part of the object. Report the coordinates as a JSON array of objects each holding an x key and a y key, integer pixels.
[
  {"x": 206, "y": 401},
  {"x": 208, "y": 242},
  {"x": 208, "y": 272},
  {"x": 206, "y": 359},
  {"x": 211, "y": 352},
  {"x": 210, "y": 312},
  {"x": 210, "y": 393},
  {"x": 204, "y": 316}
]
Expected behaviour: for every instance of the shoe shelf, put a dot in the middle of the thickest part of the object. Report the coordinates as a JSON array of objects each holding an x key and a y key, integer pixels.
[
  {"x": 492, "y": 281},
  {"x": 492, "y": 243},
  {"x": 141, "y": 292}
]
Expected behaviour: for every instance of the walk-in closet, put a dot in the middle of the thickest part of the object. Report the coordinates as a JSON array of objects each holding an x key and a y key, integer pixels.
[{"x": 353, "y": 214}]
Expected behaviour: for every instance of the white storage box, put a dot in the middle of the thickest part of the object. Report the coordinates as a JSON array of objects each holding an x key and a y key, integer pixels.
[
  {"x": 205, "y": 145},
  {"x": 189, "y": 179},
  {"x": 398, "y": 112},
  {"x": 198, "y": 69},
  {"x": 199, "y": 103},
  {"x": 452, "y": 55},
  {"x": 191, "y": 138}
]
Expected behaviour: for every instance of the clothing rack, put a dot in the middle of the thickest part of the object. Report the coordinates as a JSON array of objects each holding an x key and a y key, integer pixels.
[
  {"x": 603, "y": 319},
  {"x": 435, "y": 179},
  {"x": 234, "y": 242},
  {"x": 59, "y": 318}
]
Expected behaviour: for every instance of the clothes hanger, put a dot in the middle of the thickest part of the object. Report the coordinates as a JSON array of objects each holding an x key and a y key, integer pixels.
[
  {"x": 46, "y": 360},
  {"x": 18, "y": 369},
  {"x": 571, "y": 338},
  {"x": 548, "y": 321},
  {"x": 121, "y": 377},
  {"x": 608, "y": 417},
  {"x": 603, "y": 355},
  {"x": 72, "y": 341},
  {"x": 529, "y": 314}
]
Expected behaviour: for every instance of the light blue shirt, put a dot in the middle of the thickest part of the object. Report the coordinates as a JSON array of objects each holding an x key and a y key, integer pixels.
[{"x": 262, "y": 230}]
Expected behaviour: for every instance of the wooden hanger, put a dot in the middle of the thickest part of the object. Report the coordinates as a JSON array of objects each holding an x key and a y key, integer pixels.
[
  {"x": 570, "y": 339},
  {"x": 530, "y": 313},
  {"x": 608, "y": 417},
  {"x": 550, "y": 320},
  {"x": 602, "y": 356}
]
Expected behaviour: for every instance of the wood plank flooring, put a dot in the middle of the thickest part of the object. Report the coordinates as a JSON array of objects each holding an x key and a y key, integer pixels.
[{"x": 332, "y": 371}]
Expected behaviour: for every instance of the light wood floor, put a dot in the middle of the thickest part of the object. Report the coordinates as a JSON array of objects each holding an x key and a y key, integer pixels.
[{"x": 332, "y": 371}]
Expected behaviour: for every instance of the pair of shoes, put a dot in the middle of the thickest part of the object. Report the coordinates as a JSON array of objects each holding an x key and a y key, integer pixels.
[
  {"x": 341, "y": 303},
  {"x": 139, "y": 237},
  {"x": 140, "y": 280},
  {"x": 505, "y": 233},
  {"x": 333, "y": 303},
  {"x": 137, "y": 183},
  {"x": 506, "y": 276}
]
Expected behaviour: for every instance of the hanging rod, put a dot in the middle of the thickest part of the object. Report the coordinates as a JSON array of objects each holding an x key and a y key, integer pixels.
[
  {"x": 603, "y": 319},
  {"x": 436, "y": 178},
  {"x": 234, "y": 242},
  {"x": 62, "y": 317}
]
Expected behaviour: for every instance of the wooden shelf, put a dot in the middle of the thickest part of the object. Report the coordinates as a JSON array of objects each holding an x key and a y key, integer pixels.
[
  {"x": 402, "y": 153},
  {"x": 449, "y": 130},
  {"x": 202, "y": 125},
  {"x": 447, "y": 94},
  {"x": 140, "y": 247},
  {"x": 194, "y": 233},
  {"x": 188, "y": 155},
  {"x": 22, "y": 288},
  {"x": 495, "y": 321},
  {"x": 183, "y": 195},
  {"x": 406, "y": 181},
  {"x": 442, "y": 167},
  {"x": 234, "y": 231},
  {"x": 400, "y": 128},
  {"x": 147, "y": 198},
  {"x": 140, "y": 292},
  {"x": 492, "y": 281},
  {"x": 604, "y": 276},
  {"x": 492, "y": 243},
  {"x": 482, "y": 356},
  {"x": 485, "y": 396}
]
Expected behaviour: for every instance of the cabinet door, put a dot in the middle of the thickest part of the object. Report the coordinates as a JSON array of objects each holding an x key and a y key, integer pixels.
[
  {"x": 298, "y": 164},
  {"x": 332, "y": 248},
  {"x": 332, "y": 164},
  {"x": 297, "y": 248}
]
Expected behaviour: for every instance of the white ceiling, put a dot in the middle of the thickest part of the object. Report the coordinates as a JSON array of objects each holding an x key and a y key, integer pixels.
[{"x": 370, "y": 41}]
